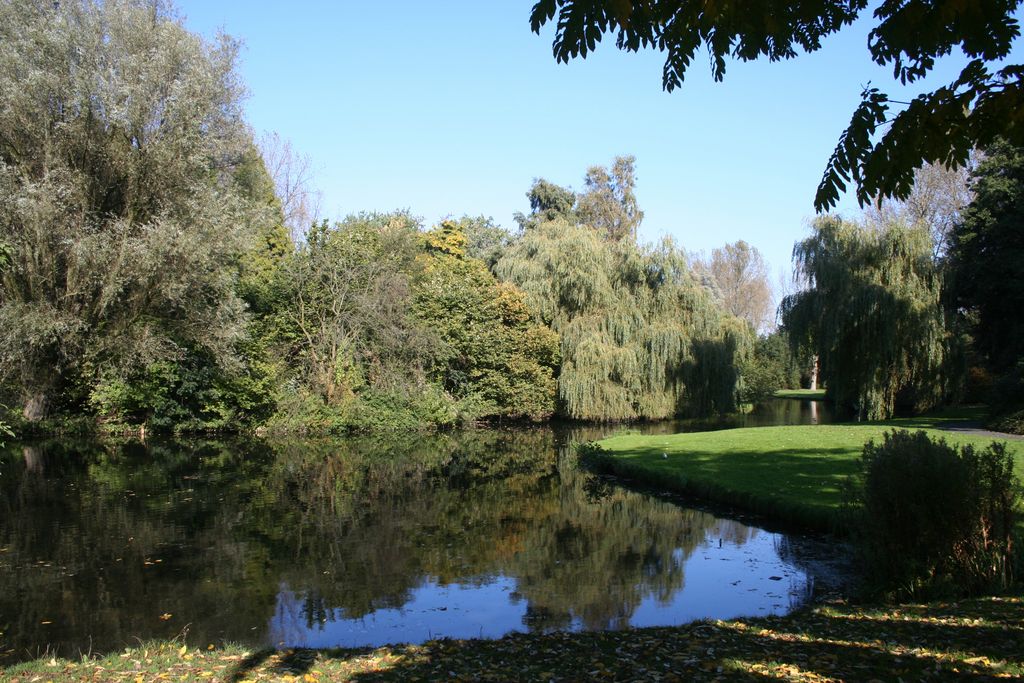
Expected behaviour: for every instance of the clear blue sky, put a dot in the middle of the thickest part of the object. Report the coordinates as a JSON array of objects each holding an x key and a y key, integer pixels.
[{"x": 451, "y": 108}]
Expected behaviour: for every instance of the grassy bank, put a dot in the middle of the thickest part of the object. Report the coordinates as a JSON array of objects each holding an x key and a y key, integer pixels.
[
  {"x": 792, "y": 473},
  {"x": 805, "y": 394},
  {"x": 969, "y": 639}
]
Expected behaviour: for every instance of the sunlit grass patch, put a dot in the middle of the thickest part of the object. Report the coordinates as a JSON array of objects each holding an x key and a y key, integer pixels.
[
  {"x": 794, "y": 473},
  {"x": 804, "y": 394}
]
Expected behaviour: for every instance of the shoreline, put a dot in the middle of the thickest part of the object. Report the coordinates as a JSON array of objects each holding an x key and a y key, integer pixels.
[{"x": 825, "y": 642}]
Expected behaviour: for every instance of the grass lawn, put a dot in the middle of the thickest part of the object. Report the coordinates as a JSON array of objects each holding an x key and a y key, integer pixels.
[
  {"x": 971, "y": 639},
  {"x": 805, "y": 394},
  {"x": 793, "y": 473}
]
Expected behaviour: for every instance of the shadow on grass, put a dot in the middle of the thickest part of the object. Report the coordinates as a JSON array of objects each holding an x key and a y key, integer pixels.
[
  {"x": 796, "y": 485},
  {"x": 250, "y": 663},
  {"x": 972, "y": 640}
]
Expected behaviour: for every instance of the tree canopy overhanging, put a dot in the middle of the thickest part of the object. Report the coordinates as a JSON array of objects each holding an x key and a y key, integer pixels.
[{"x": 881, "y": 148}]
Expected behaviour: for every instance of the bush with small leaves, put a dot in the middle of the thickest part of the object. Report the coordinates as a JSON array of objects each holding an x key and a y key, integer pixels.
[{"x": 935, "y": 518}]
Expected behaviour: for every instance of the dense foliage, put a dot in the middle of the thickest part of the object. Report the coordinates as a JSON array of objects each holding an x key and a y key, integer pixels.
[
  {"x": 873, "y": 315},
  {"x": 120, "y": 138},
  {"x": 495, "y": 358},
  {"x": 937, "y": 518},
  {"x": 155, "y": 274},
  {"x": 771, "y": 365},
  {"x": 985, "y": 254},
  {"x": 342, "y": 324},
  {"x": 943, "y": 125}
]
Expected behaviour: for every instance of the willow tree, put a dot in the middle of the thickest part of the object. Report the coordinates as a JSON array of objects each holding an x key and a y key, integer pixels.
[
  {"x": 872, "y": 314},
  {"x": 120, "y": 133},
  {"x": 637, "y": 331}
]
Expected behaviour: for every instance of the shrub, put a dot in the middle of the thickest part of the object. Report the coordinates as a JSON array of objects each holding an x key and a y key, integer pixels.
[
  {"x": 1007, "y": 401},
  {"x": 761, "y": 378},
  {"x": 1011, "y": 421},
  {"x": 189, "y": 394},
  {"x": 937, "y": 519}
]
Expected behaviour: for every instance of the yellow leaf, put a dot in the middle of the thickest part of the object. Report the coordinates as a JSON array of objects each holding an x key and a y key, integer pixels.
[{"x": 183, "y": 650}]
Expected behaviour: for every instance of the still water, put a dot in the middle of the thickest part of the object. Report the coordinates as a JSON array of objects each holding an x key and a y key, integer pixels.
[{"x": 360, "y": 541}]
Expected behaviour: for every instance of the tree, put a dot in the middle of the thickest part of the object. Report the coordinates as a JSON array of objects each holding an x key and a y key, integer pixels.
[
  {"x": 608, "y": 203},
  {"x": 494, "y": 356},
  {"x": 986, "y": 255},
  {"x": 941, "y": 126},
  {"x": 740, "y": 276},
  {"x": 872, "y": 314},
  {"x": 936, "y": 201},
  {"x": 271, "y": 241},
  {"x": 985, "y": 258},
  {"x": 120, "y": 136},
  {"x": 640, "y": 338},
  {"x": 547, "y": 203},
  {"x": 485, "y": 240},
  {"x": 292, "y": 175},
  {"x": 769, "y": 366},
  {"x": 192, "y": 392},
  {"x": 345, "y": 324}
]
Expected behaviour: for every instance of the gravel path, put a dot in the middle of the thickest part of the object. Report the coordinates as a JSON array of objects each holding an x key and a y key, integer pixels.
[{"x": 975, "y": 429}]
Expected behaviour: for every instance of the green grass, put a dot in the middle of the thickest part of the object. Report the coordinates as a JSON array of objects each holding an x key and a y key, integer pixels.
[
  {"x": 976, "y": 639},
  {"x": 805, "y": 394},
  {"x": 793, "y": 473}
]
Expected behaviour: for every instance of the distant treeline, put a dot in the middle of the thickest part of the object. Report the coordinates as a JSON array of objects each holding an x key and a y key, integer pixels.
[
  {"x": 149, "y": 277},
  {"x": 160, "y": 269}
]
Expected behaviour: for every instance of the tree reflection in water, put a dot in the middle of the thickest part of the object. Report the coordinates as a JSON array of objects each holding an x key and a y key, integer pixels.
[{"x": 390, "y": 539}]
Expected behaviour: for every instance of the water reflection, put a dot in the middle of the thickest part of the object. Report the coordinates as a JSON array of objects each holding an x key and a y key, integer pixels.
[
  {"x": 355, "y": 541},
  {"x": 778, "y": 411}
]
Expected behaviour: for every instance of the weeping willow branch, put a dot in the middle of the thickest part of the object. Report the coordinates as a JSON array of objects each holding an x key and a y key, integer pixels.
[{"x": 640, "y": 337}]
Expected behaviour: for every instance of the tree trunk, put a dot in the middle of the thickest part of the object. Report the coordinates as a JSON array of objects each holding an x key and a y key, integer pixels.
[
  {"x": 33, "y": 459},
  {"x": 36, "y": 406},
  {"x": 814, "y": 374}
]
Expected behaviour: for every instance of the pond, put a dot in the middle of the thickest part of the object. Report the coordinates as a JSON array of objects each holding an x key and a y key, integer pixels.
[{"x": 362, "y": 541}]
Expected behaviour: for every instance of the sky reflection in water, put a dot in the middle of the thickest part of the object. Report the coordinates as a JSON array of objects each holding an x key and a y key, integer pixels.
[{"x": 722, "y": 582}]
